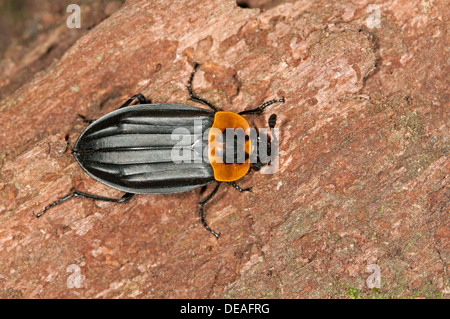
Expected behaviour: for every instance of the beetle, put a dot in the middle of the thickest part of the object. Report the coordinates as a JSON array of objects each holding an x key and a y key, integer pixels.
[{"x": 131, "y": 149}]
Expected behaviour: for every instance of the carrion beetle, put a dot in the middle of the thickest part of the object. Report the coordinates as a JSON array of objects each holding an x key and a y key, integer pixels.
[{"x": 136, "y": 149}]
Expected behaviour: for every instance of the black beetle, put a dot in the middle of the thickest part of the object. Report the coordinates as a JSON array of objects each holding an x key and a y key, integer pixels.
[{"x": 131, "y": 149}]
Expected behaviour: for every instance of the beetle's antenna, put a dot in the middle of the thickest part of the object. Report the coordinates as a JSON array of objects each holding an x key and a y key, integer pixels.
[
  {"x": 76, "y": 193},
  {"x": 202, "y": 214}
]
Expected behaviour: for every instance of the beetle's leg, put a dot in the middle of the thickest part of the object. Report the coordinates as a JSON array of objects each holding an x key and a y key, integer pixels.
[
  {"x": 85, "y": 119},
  {"x": 194, "y": 97},
  {"x": 75, "y": 193},
  {"x": 139, "y": 97},
  {"x": 259, "y": 110},
  {"x": 239, "y": 188},
  {"x": 202, "y": 213}
]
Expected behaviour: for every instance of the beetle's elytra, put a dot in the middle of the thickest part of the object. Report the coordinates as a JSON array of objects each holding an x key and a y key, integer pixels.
[{"x": 132, "y": 149}]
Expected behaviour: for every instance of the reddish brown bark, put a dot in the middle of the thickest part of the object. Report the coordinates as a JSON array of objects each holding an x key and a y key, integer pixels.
[{"x": 364, "y": 165}]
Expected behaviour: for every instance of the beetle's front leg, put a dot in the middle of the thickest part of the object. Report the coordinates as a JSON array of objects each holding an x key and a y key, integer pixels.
[
  {"x": 241, "y": 190},
  {"x": 194, "y": 97},
  {"x": 260, "y": 109}
]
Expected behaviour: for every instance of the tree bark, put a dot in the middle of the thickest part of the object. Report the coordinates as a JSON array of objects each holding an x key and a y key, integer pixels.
[{"x": 363, "y": 173}]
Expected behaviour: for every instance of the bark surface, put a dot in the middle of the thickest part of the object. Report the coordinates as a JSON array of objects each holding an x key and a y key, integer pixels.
[{"x": 363, "y": 175}]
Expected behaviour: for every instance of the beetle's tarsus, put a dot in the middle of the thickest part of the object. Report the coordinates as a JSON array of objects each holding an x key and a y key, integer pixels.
[
  {"x": 202, "y": 212},
  {"x": 75, "y": 193},
  {"x": 141, "y": 99},
  {"x": 194, "y": 97},
  {"x": 85, "y": 119},
  {"x": 59, "y": 201},
  {"x": 241, "y": 190}
]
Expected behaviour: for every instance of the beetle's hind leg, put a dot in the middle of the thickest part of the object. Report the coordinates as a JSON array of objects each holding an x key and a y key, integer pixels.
[
  {"x": 75, "y": 193},
  {"x": 194, "y": 97},
  {"x": 141, "y": 99},
  {"x": 202, "y": 212},
  {"x": 85, "y": 119}
]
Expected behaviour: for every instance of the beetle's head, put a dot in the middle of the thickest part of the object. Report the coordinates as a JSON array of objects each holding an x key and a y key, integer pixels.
[{"x": 266, "y": 145}]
